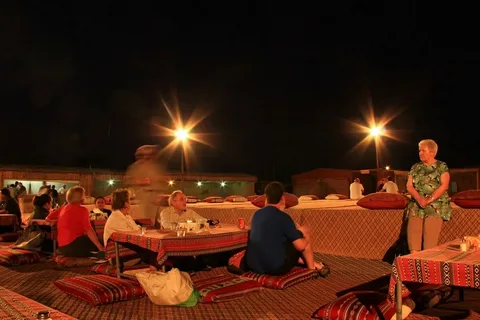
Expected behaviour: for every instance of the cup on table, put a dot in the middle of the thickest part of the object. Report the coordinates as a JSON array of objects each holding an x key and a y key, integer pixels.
[
  {"x": 181, "y": 232},
  {"x": 143, "y": 230}
]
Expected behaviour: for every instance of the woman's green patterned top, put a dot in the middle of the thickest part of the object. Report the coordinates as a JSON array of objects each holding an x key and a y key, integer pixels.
[{"x": 426, "y": 179}]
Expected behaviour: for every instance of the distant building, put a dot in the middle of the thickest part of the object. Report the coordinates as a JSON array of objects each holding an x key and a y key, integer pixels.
[
  {"x": 322, "y": 182},
  {"x": 101, "y": 182}
]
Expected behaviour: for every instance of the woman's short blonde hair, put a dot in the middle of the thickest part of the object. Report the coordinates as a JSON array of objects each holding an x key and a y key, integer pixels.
[
  {"x": 430, "y": 144},
  {"x": 75, "y": 195},
  {"x": 173, "y": 196}
]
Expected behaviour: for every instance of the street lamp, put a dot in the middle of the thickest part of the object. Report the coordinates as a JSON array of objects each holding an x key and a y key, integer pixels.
[
  {"x": 376, "y": 133},
  {"x": 182, "y": 136}
]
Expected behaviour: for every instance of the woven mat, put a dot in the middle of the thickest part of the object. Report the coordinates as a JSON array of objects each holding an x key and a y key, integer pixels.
[{"x": 15, "y": 306}]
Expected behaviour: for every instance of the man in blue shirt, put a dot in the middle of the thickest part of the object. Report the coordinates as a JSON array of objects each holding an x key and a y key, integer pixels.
[{"x": 275, "y": 244}]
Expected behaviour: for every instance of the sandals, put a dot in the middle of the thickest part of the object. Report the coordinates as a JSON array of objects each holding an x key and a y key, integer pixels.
[{"x": 324, "y": 272}]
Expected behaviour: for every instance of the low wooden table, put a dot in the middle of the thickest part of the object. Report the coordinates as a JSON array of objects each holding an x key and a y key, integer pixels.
[
  {"x": 444, "y": 264},
  {"x": 166, "y": 243}
]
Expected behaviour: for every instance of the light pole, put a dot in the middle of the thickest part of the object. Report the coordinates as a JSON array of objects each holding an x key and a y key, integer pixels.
[
  {"x": 376, "y": 133},
  {"x": 182, "y": 136}
]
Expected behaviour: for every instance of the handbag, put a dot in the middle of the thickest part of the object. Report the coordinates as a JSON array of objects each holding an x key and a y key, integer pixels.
[
  {"x": 173, "y": 288},
  {"x": 31, "y": 239}
]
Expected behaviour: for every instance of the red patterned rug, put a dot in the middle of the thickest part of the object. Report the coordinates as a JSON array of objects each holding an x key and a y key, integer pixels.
[{"x": 297, "y": 302}]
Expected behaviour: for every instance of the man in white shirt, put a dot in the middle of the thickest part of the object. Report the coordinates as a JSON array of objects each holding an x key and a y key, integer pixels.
[
  {"x": 177, "y": 212},
  {"x": 170, "y": 217},
  {"x": 390, "y": 186},
  {"x": 356, "y": 189}
]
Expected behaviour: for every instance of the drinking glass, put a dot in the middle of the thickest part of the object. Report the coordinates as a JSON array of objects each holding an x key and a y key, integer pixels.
[{"x": 181, "y": 232}]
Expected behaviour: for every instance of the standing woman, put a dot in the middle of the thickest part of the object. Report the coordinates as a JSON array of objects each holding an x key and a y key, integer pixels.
[{"x": 428, "y": 183}]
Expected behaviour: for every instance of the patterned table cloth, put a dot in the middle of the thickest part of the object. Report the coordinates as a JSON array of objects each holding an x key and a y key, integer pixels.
[
  {"x": 166, "y": 243},
  {"x": 15, "y": 306},
  {"x": 444, "y": 264}
]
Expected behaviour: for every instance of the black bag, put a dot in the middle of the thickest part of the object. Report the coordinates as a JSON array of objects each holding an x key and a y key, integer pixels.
[
  {"x": 31, "y": 239},
  {"x": 400, "y": 247}
]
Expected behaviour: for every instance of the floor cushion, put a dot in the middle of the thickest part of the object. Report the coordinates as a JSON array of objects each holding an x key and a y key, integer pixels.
[
  {"x": 193, "y": 199},
  {"x": 336, "y": 196},
  {"x": 236, "y": 263},
  {"x": 296, "y": 275},
  {"x": 383, "y": 200},
  {"x": 213, "y": 199},
  {"x": 100, "y": 289},
  {"x": 225, "y": 287},
  {"x": 17, "y": 257},
  {"x": 236, "y": 199},
  {"x": 109, "y": 270},
  {"x": 469, "y": 199},
  {"x": 291, "y": 200},
  {"x": 307, "y": 197},
  {"x": 362, "y": 305},
  {"x": 73, "y": 262}
]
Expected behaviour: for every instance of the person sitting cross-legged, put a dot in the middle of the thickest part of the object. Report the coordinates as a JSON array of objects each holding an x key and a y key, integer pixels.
[
  {"x": 121, "y": 221},
  {"x": 275, "y": 243}
]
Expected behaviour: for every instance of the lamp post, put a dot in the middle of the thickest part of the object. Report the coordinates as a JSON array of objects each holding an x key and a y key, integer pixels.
[
  {"x": 376, "y": 133},
  {"x": 182, "y": 136}
]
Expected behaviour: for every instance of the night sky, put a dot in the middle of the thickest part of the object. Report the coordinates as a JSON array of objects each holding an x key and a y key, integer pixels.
[{"x": 81, "y": 84}]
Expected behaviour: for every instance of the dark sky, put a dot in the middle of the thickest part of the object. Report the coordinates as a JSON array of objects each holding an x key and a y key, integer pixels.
[{"x": 81, "y": 84}]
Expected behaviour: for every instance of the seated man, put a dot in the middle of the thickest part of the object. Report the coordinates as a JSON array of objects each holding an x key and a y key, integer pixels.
[
  {"x": 10, "y": 207},
  {"x": 177, "y": 212},
  {"x": 275, "y": 244}
]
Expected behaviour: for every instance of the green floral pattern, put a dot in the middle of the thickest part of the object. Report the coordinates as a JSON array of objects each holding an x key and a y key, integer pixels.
[{"x": 426, "y": 179}]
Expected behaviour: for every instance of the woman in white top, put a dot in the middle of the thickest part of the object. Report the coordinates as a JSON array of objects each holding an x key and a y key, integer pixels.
[{"x": 121, "y": 221}]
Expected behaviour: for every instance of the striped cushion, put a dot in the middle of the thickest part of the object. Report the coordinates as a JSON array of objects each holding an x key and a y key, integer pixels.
[
  {"x": 213, "y": 199},
  {"x": 109, "y": 270},
  {"x": 225, "y": 287},
  {"x": 296, "y": 275},
  {"x": 17, "y": 257},
  {"x": 366, "y": 305},
  {"x": 100, "y": 289},
  {"x": 72, "y": 262}
]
